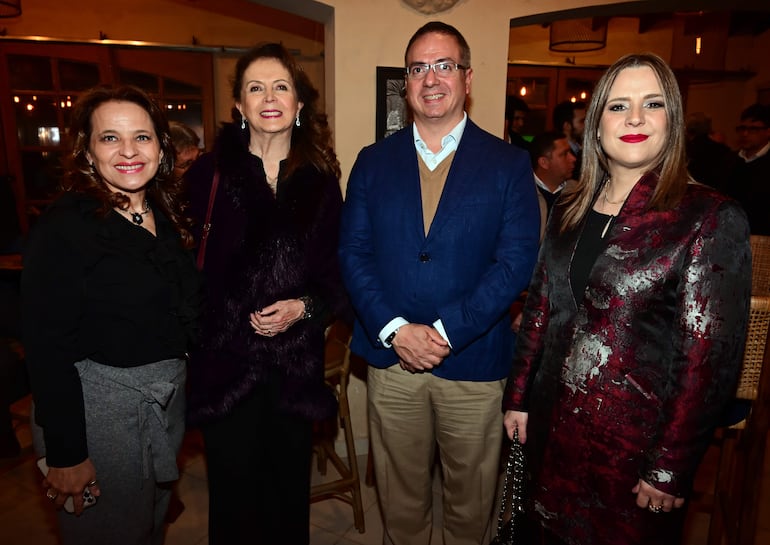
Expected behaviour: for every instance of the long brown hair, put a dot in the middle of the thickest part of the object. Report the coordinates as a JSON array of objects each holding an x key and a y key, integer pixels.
[
  {"x": 311, "y": 142},
  {"x": 164, "y": 191},
  {"x": 670, "y": 165}
]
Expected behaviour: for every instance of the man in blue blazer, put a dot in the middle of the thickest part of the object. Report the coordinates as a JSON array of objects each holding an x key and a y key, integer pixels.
[{"x": 439, "y": 235}]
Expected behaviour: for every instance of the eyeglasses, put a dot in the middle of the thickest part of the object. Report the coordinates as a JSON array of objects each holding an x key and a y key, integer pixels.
[
  {"x": 442, "y": 69},
  {"x": 753, "y": 129}
]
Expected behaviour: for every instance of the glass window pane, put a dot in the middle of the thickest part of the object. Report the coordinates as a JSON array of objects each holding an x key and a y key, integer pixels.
[
  {"x": 175, "y": 87},
  {"x": 188, "y": 112},
  {"x": 30, "y": 72},
  {"x": 42, "y": 171},
  {"x": 37, "y": 120},
  {"x": 143, "y": 80},
  {"x": 578, "y": 89},
  {"x": 536, "y": 90},
  {"x": 77, "y": 76}
]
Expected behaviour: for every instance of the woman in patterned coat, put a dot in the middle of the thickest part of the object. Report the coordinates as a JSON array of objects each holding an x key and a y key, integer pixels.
[{"x": 634, "y": 326}]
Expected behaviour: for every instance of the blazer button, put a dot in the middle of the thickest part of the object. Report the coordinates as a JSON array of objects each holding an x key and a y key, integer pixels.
[{"x": 424, "y": 257}]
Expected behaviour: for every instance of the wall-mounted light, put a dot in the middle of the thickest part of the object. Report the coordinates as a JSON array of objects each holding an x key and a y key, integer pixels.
[
  {"x": 10, "y": 8},
  {"x": 697, "y": 45},
  {"x": 523, "y": 90}
]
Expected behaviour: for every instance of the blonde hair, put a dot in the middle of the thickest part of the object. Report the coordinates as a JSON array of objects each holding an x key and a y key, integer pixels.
[{"x": 670, "y": 165}]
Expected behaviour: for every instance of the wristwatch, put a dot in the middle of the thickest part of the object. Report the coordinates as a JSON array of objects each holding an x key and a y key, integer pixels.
[
  {"x": 308, "y": 306},
  {"x": 389, "y": 338}
]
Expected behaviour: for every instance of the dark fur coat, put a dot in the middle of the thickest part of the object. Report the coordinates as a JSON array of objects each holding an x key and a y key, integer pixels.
[{"x": 261, "y": 249}]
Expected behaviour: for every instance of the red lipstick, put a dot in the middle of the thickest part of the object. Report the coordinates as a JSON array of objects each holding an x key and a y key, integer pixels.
[{"x": 634, "y": 138}]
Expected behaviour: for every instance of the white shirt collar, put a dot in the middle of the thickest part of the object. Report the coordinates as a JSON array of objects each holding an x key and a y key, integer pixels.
[
  {"x": 757, "y": 155},
  {"x": 449, "y": 143},
  {"x": 542, "y": 185}
]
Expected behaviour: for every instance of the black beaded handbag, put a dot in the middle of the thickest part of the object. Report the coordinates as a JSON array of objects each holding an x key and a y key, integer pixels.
[{"x": 510, "y": 519}]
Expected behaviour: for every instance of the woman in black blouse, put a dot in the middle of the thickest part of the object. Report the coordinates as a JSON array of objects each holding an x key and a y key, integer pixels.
[{"x": 110, "y": 295}]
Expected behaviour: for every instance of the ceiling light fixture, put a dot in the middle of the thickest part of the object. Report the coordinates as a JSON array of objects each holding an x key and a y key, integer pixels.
[{"x": 576, "y": 35}]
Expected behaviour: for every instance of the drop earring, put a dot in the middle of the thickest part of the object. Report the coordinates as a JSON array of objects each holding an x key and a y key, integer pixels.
[
  {"x": 296, "y": 121},
  {"x": 243, "y": 121}
]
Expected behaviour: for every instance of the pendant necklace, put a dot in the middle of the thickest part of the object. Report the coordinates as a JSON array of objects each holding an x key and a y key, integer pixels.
[
  {"x": 611, "y": 203},
  {"x": 136, "y": 217}
]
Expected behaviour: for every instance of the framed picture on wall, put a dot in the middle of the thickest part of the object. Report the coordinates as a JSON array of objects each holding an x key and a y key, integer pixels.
[{"x": 392, "y": 112}]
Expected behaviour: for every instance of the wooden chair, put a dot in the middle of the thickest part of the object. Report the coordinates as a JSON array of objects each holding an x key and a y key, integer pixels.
[
  {"x": 760, "y": 265},
  {"x": 734, "y": 504},
  {"x": 337, "y": 372}
]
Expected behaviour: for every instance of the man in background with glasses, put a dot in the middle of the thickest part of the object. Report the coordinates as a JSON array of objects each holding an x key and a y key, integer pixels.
[
  {"x": 439, "y": 235},
  {"x": 749, "y": 180}
]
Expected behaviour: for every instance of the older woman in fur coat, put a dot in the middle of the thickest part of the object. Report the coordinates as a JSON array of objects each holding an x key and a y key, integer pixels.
[{"x": 272, "y": 284}]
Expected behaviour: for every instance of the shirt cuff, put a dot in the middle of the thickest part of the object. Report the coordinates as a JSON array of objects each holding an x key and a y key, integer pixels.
[
  {"x": 389, "y": 328},
  {"x": 439, "y": 326}
]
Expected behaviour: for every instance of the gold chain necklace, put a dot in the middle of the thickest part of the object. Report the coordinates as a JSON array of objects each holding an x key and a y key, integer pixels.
[{"x": 607, "y": 199}]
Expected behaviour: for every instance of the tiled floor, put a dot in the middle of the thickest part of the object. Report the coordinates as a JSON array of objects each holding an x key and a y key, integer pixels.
[{"x": 25, "y": 515}]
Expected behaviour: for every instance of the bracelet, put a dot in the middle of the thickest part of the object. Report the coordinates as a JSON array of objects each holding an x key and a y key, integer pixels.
[{"x": 308, "y": 301}]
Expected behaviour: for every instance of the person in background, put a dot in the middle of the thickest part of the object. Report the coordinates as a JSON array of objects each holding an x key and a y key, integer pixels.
[
  {"x": 187, "y": 145},
  {"x": 748, "y": 180},
  {"x": 439, "y": 235},
  {"x": 632, "y": 337},
  {"x": 569, "y": 118},
  {"x": 110, "y": 298},
  {"x": 516, "y": 111},
  {"x": 553, "y": 163},
  {"x": 13, "y": 374},
  {"x": 272, "y": 285},
  {"x": 707, "y": 159}
]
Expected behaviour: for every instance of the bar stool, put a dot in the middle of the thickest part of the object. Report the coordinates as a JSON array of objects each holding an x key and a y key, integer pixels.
[
  {"x": 337, "y": 372},
  {"x": 733, "y": 503}
]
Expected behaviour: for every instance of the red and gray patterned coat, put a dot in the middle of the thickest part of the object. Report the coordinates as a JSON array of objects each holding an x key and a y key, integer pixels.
[{"x": 630, "y": 380}]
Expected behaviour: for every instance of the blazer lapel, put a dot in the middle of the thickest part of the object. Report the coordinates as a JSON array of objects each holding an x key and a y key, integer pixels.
[
  {"x": 408, "y": 182},
  {"x": 461, "y": 179}
]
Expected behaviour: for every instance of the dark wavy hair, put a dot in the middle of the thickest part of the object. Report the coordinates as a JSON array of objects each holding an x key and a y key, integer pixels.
[
  {"x": 671, "y": 163},
  {"x": 164, "y": 191},
  {"x": 311, "y": 142}
]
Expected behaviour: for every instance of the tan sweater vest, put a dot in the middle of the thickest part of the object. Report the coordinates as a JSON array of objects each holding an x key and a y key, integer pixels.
[{"x": 431, "y": 186}]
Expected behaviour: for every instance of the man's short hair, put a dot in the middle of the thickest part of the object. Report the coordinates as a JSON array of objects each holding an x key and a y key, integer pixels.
[
  {"x": 757, "y": 112},
  {"x": 543, "y": 145},
  {"x": 564, "y": 112},
  {"x": 698, "y": 123},
  {"x": 442, "y": 28},
  {"x": 183, "y": 136},
  {"x": 514, "y": 104}
]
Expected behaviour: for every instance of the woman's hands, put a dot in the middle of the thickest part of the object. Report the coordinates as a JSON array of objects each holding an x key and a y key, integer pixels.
[
  {"x": 63, "y": 482},
  {"x": 513, "y": 420},
  {"x": 649, "y": 497},
  {"x": 277, "y": 318}
]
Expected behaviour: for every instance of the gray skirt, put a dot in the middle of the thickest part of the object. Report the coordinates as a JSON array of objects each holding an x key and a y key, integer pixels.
[{"x": 134, "y": 428}]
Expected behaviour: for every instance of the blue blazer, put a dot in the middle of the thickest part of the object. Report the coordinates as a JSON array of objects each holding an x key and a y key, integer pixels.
[{"x": 476, "y": 259}]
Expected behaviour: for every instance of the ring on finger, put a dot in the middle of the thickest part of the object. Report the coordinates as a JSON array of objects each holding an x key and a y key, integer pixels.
[
  {"x": 92, "y": 483},
  {"x": 51, "y": 494},
  {"x": 655, "y": 508}
]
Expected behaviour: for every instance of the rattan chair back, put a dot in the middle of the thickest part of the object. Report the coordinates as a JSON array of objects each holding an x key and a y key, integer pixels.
[
  {"x": 754, "y": 353},
  {"x": 760, "y": 265}
]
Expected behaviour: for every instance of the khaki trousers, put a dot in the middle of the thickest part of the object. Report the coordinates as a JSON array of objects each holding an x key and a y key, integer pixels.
[{"x": 409, "y": 414}]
